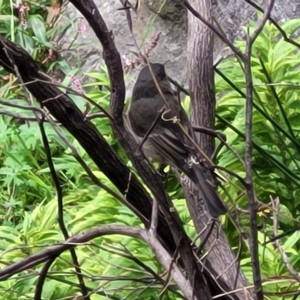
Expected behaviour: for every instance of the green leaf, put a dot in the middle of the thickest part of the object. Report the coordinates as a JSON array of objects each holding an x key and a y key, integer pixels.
[{"x": 38, "y": 26}]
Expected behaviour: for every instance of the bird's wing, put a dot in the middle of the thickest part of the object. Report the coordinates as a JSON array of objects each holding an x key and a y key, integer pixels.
[{"x": 169, "y": 146}]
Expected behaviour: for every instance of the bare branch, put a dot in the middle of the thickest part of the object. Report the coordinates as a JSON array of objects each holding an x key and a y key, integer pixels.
[
  {"x": 285, "y": 37},
  {"x": 167, "y": 261},
  {"x": 56, "y": 250},
  {"x": 214, "y": 29},
  {"x": 248, "y": 154}
]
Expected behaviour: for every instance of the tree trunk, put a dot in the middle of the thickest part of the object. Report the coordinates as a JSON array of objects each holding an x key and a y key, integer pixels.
[{"x": 201, "y": 87}]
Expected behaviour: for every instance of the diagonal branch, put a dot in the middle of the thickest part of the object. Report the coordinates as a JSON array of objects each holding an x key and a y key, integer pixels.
[{"x": 113, "y": 62}]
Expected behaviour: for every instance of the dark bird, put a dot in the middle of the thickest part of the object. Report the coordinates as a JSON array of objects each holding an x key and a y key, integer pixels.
[{"x": 166, "y": 143}]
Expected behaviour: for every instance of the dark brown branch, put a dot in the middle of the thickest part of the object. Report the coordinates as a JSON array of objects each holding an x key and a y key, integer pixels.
[
  {"x": 66, "y": 112},
  {"x": 42, "y": 277},
  {"x": 56, "y": 250},
  {"x": 113, "y": 61}
]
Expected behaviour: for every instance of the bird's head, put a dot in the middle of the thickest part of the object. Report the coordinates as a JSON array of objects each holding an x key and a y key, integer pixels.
[
  {"x": 145, "y": 86},
  {"x": 157, "y": 69}
]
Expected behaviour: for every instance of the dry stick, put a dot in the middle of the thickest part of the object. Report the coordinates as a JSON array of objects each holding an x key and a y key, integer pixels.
[
  {"x": 76, "y": 240},
  {"x": 248, "y": 154},
  {"x": 152, "y": 233},
  {"x": 242, "y": 236},
  {"x": 168, "y": 263},
  {"x": 178, "y": 86},
  {"x": 220, "y": 136},
  {"x": 129, "y": 21},
  {"x": 214, "y": 242},
  {"x": 276, "y": 208},
  {"x": 217, "y": 282},
  {"x": 96, "y": 115},
  {"x": 197, "y": 236}
]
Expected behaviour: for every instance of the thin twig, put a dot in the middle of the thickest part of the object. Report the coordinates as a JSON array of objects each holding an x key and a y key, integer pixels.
[
  {"x": 214, "y": 29},
  {"x": 285, "y": 37},
  {"x": 248, "y": 153}
]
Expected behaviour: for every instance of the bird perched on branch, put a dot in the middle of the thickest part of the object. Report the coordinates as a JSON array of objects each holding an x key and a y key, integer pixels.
[{"x": 156, "y": 124}]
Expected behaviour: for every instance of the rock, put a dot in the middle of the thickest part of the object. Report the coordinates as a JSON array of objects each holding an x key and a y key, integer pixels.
[{"x": 167, "y": 17}]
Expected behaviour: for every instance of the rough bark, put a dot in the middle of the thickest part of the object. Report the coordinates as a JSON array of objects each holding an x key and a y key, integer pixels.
[{"x": 201, "y": 87}]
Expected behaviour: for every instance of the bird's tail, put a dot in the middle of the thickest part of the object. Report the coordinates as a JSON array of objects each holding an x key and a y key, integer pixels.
[{"x": 213, "y": 202}]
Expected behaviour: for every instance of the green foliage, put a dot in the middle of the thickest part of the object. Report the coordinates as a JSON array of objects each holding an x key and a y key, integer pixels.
[
  {"x": 275, "y": 68},
  {"x": 275, "y": 126},
  {"x": 28, "y": 207}
]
